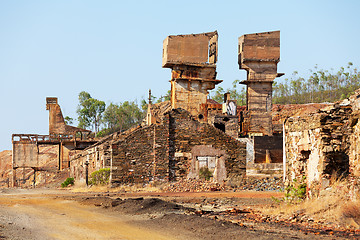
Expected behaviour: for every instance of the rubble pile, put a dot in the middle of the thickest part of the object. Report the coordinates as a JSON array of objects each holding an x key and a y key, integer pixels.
[
  {"x": 193, "y": 185},
  {"x": 197, "y": 185},
  {"x": 262, "y": 184}
]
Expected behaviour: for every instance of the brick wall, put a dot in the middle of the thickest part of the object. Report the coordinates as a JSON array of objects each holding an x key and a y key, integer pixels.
[
  {"x": 142, "y": 156},
  {"x": 318, "y": 145},
  {"x": 188, "y": 132},
  {"x": 164, "y": 151}
]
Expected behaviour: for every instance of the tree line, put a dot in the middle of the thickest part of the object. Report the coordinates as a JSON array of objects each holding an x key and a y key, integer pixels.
[
  {"x": 103, "y": 120},
  {"x": 320, "y": 86}
]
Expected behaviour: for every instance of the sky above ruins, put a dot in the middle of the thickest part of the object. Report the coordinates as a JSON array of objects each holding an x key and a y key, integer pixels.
[{"x": 113, "y": 49}]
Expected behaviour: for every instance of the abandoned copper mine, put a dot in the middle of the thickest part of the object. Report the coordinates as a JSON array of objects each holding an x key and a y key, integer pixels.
[{"x": 193, "y": 168}]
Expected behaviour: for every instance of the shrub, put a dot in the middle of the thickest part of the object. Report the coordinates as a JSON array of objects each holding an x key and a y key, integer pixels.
[
  {"x": 205, "y": 173},
  {"x": 100, "y": 177},
  {"x": 296, "y": 191},
  {"x": 67, "y": 182}
]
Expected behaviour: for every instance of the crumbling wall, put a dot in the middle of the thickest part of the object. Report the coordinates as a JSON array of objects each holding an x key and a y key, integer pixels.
[
  {"x": 228, "y": 124},
  {"x": 93, "y": 158},
  {"x": 156, "y": 111},
  {"x": 186, "y": 132},
  {"x": 317, "y": 146},
  {"x": 209, "y": 158},
  {"x": 354, "y": 150},
  {"x": 141, "y": 157},
  {"x": 166, "y": 151}
]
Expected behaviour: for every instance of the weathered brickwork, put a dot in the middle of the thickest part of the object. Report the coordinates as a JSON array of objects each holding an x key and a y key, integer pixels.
[
  {"x": 141, "y": 157},
  {"x": 165, "y": 151},
  {"x": 318, "y": 146},
  {"x": 192, "y": 59},
  {"x": 187, "y": 132},
  {"x": 92, "y": 158},
  {"x": 259, "y": 55}
]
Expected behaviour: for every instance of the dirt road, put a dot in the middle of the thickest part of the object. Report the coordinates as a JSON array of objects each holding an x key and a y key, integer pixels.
[
  {"x": 56, "y": 214},
  {"x": 39, "y": 216}
]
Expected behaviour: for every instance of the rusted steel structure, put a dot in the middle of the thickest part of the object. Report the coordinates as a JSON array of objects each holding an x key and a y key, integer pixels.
[
  {"x": 192, "y": 59},
  {"x": 25, "y": 147},
  {"x": 259, "y": 54}
]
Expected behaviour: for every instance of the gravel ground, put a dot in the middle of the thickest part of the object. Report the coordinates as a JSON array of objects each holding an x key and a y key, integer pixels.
[{"x": 53, "y": 214}]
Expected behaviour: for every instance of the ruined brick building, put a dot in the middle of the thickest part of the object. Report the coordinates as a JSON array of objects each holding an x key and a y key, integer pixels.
[
  {"x": 178, "y": 137},
  {"x": 323, "y": 146},
  {"x": 183, "y": 135},
  {"x": 190, "y": 131},
  {"x": 37, "y": 158}
]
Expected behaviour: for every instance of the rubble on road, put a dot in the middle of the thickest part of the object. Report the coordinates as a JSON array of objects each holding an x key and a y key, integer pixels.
[
  {"x": 193, "y": 185},
  {"x": 198, "y": 185},
  {"x": 263, "y": 184}
]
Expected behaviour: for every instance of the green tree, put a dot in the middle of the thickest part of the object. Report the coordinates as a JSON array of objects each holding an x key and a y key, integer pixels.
[
  {"x": 167, "y": 97},
  {"x": 218, "y": 94},
  {"x": 68, "y": 120},
  {"x": 90, "y": 111},
  {"x": 122, "y": 116}
]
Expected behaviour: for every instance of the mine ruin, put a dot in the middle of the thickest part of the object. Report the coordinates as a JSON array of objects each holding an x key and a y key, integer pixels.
[
  {"x": 322, "y": 146},
  {"x": 190, "y": 132},
  {"x": 28, "y": 157}
]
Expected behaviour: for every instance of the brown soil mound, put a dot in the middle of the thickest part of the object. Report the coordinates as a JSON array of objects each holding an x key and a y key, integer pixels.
[
  {"x": 134, "y": 205},
  {"x": 105, "y": 202},
  {"x": 147, "y": 205}
]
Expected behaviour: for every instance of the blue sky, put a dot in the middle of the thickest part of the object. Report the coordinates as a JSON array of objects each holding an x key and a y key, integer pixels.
[{"x": 112, "y": 49}]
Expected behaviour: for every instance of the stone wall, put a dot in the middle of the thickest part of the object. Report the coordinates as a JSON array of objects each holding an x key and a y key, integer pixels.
[
  {"x": 94, "y": 158},
  {"x": 141, "y": 157},
  {"x": 318, "y": 146},
  {"x": 166, "y": 151},
  {"x": 186, "y": 132}
]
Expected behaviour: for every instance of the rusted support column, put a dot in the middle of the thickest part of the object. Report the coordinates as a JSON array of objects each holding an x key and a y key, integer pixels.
[
  {"x": 59, "y": 156},
  {"x": 14, "y": 178},
  {"x": 192, "y": 59},
  {"x": 259, "y": 55},
  {"x": 62, "y": 157},
  {"x": 154, "y": 152},
  {"x": 87, "y": 173},
  {"x": 12, "y": 163},
  {"x": 34, "y": 180}
]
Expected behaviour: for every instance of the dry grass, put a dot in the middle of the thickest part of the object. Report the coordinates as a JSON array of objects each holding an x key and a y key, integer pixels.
[{"x": 333, "y": 206}]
